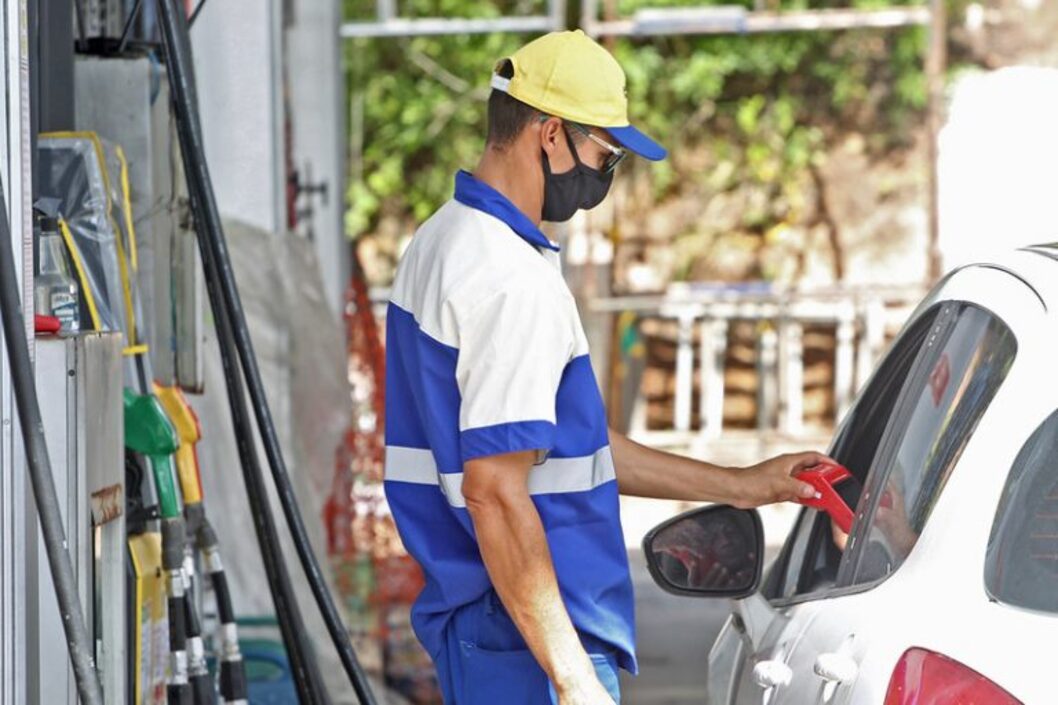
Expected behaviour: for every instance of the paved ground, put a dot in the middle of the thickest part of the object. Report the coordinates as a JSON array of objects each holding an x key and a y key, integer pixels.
[{"x": 674, "y": 635}]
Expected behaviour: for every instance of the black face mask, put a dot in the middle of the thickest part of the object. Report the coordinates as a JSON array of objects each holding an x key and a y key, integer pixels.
[{"x": 579, "y": 188}]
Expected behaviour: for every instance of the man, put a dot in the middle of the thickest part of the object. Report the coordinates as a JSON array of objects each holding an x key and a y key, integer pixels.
[{"x": 500, "y": 471}]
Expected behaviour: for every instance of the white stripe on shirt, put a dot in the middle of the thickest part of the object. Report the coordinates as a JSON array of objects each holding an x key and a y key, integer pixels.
[{"x": 554, "y": 476}]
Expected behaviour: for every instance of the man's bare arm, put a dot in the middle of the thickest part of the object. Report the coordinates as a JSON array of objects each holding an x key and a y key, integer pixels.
[
  {"x": 646, "y": 472},
  {"x": 516, "y": 555}
]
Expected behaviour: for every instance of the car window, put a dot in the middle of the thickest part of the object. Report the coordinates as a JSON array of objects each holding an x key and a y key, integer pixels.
[
  {"x": 809, "y": 562},
  {"x": 961, "y": 365},
  {"x": 1021, "y": 565}
]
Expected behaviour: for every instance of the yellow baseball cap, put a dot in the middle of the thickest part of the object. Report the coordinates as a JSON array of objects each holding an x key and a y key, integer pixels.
[{"x": 568, "y": 75}]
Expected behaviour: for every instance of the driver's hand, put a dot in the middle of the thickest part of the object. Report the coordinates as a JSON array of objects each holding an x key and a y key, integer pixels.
[
  {"x": 772, "y": 480},
  {"x": 840, "y": 537},
  {"x": 891, "y": 518}
]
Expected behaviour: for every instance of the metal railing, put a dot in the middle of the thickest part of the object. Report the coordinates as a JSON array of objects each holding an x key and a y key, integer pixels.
[
  {"x": 388, "y": 23},
  {"x": 861, "y": 318}
]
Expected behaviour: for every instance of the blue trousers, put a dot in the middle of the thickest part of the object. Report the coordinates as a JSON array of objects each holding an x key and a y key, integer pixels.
[{"x": 485, "y": 661}]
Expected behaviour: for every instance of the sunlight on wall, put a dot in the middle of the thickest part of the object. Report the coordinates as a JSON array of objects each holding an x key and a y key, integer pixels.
[{"x": 998, "y": 164}]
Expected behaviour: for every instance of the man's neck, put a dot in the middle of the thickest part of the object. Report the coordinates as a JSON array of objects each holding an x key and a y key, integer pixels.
[{"x": 507, "y": 172}]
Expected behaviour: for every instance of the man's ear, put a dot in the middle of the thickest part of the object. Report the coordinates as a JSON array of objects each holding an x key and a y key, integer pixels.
[{"x": 550, "y": 134}]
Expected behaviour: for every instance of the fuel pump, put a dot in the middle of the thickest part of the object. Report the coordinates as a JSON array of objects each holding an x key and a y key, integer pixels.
[
  {"x": 232, "y": 670},
  {"x": 149, "y": 433},
  {"x": 103, "y": 248}
]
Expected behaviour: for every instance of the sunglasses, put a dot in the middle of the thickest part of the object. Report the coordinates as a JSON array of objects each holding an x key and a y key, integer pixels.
[{"x": 616, "y": 154}]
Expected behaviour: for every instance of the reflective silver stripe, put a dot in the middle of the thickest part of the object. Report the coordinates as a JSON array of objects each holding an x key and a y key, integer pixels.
[
  {"x": 410, "y": 465},
  {"x": 555, "y": 476}
]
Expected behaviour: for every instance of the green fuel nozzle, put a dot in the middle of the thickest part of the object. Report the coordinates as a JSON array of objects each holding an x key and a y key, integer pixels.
[{"x": 149, "y": 432}]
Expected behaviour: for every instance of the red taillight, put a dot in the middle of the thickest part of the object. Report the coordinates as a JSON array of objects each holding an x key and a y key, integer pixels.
[{"x": 926, "y": 678}]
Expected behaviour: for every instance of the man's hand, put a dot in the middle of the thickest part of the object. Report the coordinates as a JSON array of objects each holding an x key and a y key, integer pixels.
[
  {"x": 772, "y": 480},
  {"x": 585, "y": 690},
  {"x": 646, "y": 472}
]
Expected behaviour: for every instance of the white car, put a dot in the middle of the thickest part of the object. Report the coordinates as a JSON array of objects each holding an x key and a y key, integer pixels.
[{"x": 945, "y": 591}]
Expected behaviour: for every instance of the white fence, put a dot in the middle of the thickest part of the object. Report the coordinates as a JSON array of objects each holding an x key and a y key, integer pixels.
[{"x": 862, "y": 320}]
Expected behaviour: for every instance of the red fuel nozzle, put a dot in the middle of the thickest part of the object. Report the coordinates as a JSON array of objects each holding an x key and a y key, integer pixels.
[{"x": 823, "y": 477}]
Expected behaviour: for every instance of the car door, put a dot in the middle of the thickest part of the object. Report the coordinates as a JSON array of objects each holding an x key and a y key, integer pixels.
[
  {"x": 959, "y": 368},
  {"x": 766, "y": 628},
  {"x": 936, "y": 361}
]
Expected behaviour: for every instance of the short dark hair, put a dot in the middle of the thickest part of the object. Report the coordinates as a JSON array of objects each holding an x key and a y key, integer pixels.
[{"x": 507, "y": 116}]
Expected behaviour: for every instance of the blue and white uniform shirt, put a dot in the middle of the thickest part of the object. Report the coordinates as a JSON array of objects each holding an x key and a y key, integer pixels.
[{"x": 485, "y": 354}]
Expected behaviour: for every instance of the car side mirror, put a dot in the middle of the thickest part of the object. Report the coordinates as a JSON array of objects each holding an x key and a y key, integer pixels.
[{"x": 715, "y": 551}]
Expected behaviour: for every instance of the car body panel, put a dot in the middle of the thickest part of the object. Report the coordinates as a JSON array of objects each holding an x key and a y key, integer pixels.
[{"x": 936, "y": 598}]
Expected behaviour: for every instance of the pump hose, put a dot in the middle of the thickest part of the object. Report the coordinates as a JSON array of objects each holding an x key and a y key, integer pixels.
[
  {"x": 78, "y": 643},
  {"x": 211, "y": 237},
  {"x": 291, "y": 626},
  {"x": 306, "y": 675},
  {"x": 178, "y": 690},
  {"x": 197, "y": 669},
  {"x": 233, "y": 687}
]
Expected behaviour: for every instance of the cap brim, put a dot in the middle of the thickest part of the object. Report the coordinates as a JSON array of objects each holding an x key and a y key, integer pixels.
[{"x": 635, "y": 141}]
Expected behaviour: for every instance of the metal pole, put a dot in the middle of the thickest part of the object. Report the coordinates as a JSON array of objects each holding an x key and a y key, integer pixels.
[
  {"x": 427, "y": 26},
  {"x": 589, "y": 16},
  {"x": 557, "y": 11},
  {"x": 652, "y": 22},
  {"x": 386, "y": 9},
  {"x": 936, "y": 59}
]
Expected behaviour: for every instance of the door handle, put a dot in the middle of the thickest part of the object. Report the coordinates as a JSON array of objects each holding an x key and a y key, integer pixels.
[
  {"x": 769, "y": 674},
  {"x": 836, "y": 668}
]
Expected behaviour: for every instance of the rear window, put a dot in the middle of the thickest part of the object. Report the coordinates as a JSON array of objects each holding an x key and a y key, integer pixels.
[{"x": 1021, "y": 567}]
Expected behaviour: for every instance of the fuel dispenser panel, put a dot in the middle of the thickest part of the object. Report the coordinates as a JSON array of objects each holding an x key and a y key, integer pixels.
[{"x": 80, "y": 389}]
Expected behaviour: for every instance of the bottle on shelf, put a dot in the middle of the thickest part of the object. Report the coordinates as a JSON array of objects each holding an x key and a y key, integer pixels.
[{"x": 56, "y": 292}]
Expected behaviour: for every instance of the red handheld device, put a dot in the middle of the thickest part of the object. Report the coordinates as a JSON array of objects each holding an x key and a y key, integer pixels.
[{"x": 823, "y": 477}]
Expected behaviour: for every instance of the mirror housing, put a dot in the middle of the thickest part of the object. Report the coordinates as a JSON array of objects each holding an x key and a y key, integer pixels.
[{"x": 715, "y": 551}]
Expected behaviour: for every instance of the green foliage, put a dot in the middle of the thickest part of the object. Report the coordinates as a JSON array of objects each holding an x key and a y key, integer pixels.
[{"x": 765, "y": 106}]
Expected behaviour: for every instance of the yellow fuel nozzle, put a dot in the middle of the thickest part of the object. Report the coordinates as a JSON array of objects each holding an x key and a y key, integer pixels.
[{"x": 187, "y": 427}]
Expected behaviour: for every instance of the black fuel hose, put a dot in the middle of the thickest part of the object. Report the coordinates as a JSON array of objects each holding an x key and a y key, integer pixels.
[
  {"x": 210, "y": 232},
  {"x": 307, "y": 677},
  {"x": 233, "y": 686},
  {"x": 78, "y": 642}
]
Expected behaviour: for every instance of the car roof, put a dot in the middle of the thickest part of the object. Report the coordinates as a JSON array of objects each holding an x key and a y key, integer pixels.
[{"x": 1036, "y": 266}]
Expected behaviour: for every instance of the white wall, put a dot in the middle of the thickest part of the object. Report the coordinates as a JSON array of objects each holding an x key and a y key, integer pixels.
[
  {"x": 238, "y": 48},
  {"x": 237, "y": 51},
  {"x": 997, "y": 164},
  {"x": 317, "y": 92}
]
